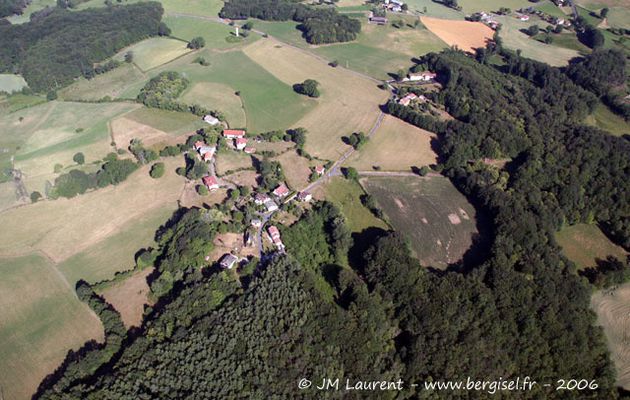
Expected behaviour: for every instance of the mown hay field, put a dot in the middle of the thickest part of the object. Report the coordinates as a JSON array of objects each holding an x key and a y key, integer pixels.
[
  {"x": 112, "y": 83},
  {"x": 214, "y": 33},
  {"x": 129, "y": 297},
  {"x": 464, "y": 34},
  {"x": 41, "y": 319},
  {"x": 436, "y": 218},
  {"x": 348, "y": 103},
  {"x": 584, "y": 244},
  {"x": 218, "y": 96},
  {"x": 395, "y": 146},
  {"x": 153, "y": 52}
]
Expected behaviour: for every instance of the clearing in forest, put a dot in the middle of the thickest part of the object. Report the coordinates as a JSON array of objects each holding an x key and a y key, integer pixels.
[
  {"x": 129, "y": 297},
  {"x": 584, "y": 244}
]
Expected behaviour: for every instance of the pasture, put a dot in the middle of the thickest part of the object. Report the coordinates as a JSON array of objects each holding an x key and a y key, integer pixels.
[
  {"x": 10, "y": 83},
  {"x": 214, "y": 33},
  {"x": 471, "y": 6},
  {"x": 514, "y": 39},
  {"x": 153, "y": 52},
  {"x": 41, "y": 320},
  {"x": 296, "y": 169},
  {"x": 227, "y": 161},
  {"x": 348, "y": 103},
  {"x": 434, "y": 9},
  {"x": 206, "y": 8},
  {"x": 18, "y": 101},
  {"x": 584, "y": 244},
  {"x": 612, "y": 307},
  {"x": 395, "y": 146},
  {"x": 463, "y": 34},
  {"x": 607, "y": 120},
  {"x": 129, "y": 297},
  {"x": 172, "y": 122},
  {"x": 110, "y": 84},
  {"x": 269, "y": 103},
  {"x": 346, "y": 195},
  {"x": 217, "y": 96},
  {"x": 436, "y": 218}
]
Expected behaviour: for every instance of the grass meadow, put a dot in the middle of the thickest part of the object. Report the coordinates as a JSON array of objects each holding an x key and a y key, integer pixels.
[
  {"x": 395, "y": 146},
  {"x": 41, "y": 320},
  {"x": 348, "y": 103},
  {"x": 218, "y": 96},
  {"x": 215, "y": 34},
  {"x": 436, "y": 218},
  {"x": 605, "y": 119},
  {"x": 112, "y": 84},
  {"x": 584, "y": 244},
  {"x": 153, "y": 52}
]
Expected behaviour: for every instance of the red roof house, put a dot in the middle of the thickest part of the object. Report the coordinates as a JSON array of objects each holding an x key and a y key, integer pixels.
[
  {"x": 210, "y": 182},
  {"x": 274, "y": 233},
  {"x": 320, "y": 169},
  {"x": 240, "y": 143},
  {"x": 281, "y": 190},
  {"x": 233, "y": 133},
  {"x": 249, "y": 150}
]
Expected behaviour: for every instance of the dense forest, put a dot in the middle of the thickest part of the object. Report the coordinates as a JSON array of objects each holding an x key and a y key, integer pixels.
[
  {"x": 361, "y": 307},
  {"x": 11, "y": 7},
  {"x": 52, "y": 51},
  {"x": 320, "y": 25}
]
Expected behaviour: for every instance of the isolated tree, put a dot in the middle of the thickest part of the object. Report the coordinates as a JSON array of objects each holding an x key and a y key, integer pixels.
[
  {"x": 248, "y": 25},
  {"x": 351, "y": 173},
  {"x": 533, "y": 30},
  {"x": 35, "y": 196},
  {"x": 129, "y": 57},
  {"x": 79, "y": 158},
  {"x": 202, "y": 190},
  {"x": 157, "y": 170},
  {"x": 197, "y": 43},
  {"x": 308, "y": 88}
]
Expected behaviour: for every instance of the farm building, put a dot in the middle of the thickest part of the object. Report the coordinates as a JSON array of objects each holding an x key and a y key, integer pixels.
[
  {"x": 210, "y": 119},
  {"x": 228, "y": 261},
  {"x": 424, "y": 76},
  {"x": 274, "y": 234},
  {"x": 233, "y": 133},
  {"x": 320, "y": 169},
  {"x": 210, "y": 182},
  {"x": 240, "y": 143},
  {"x": 407, "y": 99},
  {"x": 271, "y": 205},
  {"x": 376, "y": 19},
  {"x": 281, "y": 190},
  {"x": 305, "y": 197},
  {"x": 249, "y": 150}
]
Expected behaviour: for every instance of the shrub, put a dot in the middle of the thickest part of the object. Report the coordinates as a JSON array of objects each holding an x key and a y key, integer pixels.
[
  {"x": 79, "y": 158},
  {"x": 197, "y": 43},
  {"x": 35, "y": 196},
  {"x": 308, "y": 88},
  {"x": 157, "y": 170}
]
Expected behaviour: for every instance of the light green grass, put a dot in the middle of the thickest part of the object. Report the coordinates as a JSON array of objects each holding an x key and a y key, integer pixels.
[
  {"x": 569, "y": 40},
  {"x": 434, "y": 9},
  {"x": 471, "y": 6},
  {"x": 172, "y": 122},
  {"x": 216, "y": 96},
  {"x": 605, "y": 119},
  {"x": 586, "y": 13},
  {"x": 421, "y": 209},
  {"x": 41, "y": 320},
  {"x": 101, "y": 3},
  {"x": 551, "y": 9},
  {"x": 514, "y": 39},
  {"x": 619, "y": 17},
  {"x": 35, "y": 5},
  {"x": 346, "y": 195},
  {"x": 584, "y": 244},
  {"x": 206, "y": 8},
  {"x": 10, "y": 83},
  {"x": 112, "y": 83},
  {"x": 18, "y": 101},
  {"x": 153, "y": 52},
  {"x": 116, "y": 253},
  {"x": 214, "y": 33}
]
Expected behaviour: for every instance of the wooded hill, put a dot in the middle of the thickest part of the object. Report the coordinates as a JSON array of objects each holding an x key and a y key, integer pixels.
[
  {"x": 53, "y": 50},
  {"x": 521, "y": 311},
  {"x": 11, "y": 7}
]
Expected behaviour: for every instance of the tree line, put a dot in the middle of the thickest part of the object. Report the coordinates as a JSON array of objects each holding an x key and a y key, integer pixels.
[{"x": 51, "y": 51}]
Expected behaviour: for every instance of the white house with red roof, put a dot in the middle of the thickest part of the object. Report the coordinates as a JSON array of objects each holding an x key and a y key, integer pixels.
[
  {"x": 424, "y": 76},
  {"x": 281, "y": 190},
  {"x": 233, "y": 133},
  {"x": 274, "y": 234},
  {"x": 249, "y": 150},
  {"x": 210, "y": 182},
  {"x": 405, "y": 101},
  {"x": 320, "y": 169},
  {"x": 198, "y": 144},
  {"x": 240, "y": 143}
]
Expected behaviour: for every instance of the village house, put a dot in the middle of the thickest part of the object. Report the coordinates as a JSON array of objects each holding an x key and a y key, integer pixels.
[
  {"x": 260, "y": 198},
  {"x": 207, "y": 152},
  {"x": 374, "y": 19},
  {"x": 210, "y": 182},
  {"x": 305, "y": 197},
  {"x": 281, "y": 190},
  {"x": 198, "y": 144},
  {"x": 407, "y": 99},
  {"x": 271, "y": 205},
  {"x": 424, "y": 76},
  {"x": 320, "y": 169},
  {"x": 233, "y": 133},
  {"x": 240, "y": 143},
  {"x": 249, "y": 150},
  {"x": 274, "y": 234},
  {"x": 228, "y": 261},
  {"x": 210, "y": 119}
]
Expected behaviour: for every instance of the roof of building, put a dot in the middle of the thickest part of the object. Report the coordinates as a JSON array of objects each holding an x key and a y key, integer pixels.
[
  {"x": 249, "y": 150},
  {"x": 210, "y": 181},
  {"x": 302, "y": 196},
  {"x": 261, "y": 197},
  {"x": 228, "y": 260},
  {"x": 233, "y": 133},
  {"x": 241, "y": 141},
  {"x": 281, "y": 190},
  {"x": 320, "y": 169},
  {"x": 273, "y": 231},
  {"x": 198, "y": 144}
]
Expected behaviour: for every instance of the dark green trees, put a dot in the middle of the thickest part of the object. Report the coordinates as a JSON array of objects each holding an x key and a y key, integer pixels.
[
  {"x": 197, "y": 43},
  {"x": 307, "y": 88}
]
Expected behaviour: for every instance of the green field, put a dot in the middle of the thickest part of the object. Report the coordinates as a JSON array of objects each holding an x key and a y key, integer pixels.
[
  {"x": 41, "y": 320},
  {"x": 434, "y": 9},
  {"x": 116, "y": 252},
  {"x": 551, "y": 9},
  {"x": 569, "y": 40},
  {"x": 514, "y": 39},
  {"x": 584, "y": 244},
  {"x": 217, "y": 96},
  {"x": 172, "y": 122},
  {"x": 112, "y": 83},
  {"x": 18, "y": 101},
  {"x": 605, "y": 119},
  {"x": 153, "y": 52},
  {"x": 347, "y": 196},
  {"x": 471, "y": 6},
  {"x": 437, "y": 219},
  {"x": 10, "y": 83},
  {"x": 34, "y": 5},
  {"x": 214, "y": 33},
  {"x": 207, "y": 8}
]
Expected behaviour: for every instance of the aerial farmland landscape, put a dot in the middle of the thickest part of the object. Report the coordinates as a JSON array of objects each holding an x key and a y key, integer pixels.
[{"x": 335, "y": 199}]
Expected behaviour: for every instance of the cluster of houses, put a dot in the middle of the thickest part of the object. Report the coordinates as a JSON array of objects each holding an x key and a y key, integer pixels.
[
  {"x": 411, "y": 97},
  {"x": 240, "y": 141},
  {"x": 486, "y": 19},
  {"x": 523, "y": 15},
  {"x": 393, "y": 5}
]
